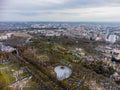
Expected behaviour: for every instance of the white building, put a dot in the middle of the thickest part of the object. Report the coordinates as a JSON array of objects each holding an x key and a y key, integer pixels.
[
  {"x": 52, "y": 33},
  {"x": 112, "y": 38},
  {"x": 6, "y": 36},
  {"x": 7, "y": 49},
  {"x": 62, "y": 72}
]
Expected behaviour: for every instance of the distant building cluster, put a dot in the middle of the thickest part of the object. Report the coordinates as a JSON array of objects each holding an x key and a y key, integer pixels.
[{"x": 98, "y": 32}]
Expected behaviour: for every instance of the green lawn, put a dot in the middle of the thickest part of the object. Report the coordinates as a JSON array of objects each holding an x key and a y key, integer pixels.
[
  {"x": 6, "y": 77},
  {"x": 3, "y": 65}
]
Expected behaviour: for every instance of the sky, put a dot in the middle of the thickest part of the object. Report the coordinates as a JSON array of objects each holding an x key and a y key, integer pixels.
[{"x": 60, "y": 10}]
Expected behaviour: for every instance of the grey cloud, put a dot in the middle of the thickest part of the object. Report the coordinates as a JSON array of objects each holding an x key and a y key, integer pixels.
[
  {"x": 68, "y": 4},
  {"x": 87, "y": 4},
  {"x": 29, "y": 9}
]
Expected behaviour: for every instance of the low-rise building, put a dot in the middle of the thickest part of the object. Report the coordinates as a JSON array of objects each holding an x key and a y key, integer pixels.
[{"x": 7, "y": 49}]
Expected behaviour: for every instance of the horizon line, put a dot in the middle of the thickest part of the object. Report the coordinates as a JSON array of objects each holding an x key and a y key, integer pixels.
[{"x": 68, "y": 21}]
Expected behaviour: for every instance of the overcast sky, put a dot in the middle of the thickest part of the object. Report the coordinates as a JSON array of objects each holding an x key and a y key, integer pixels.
[{"x": 60, "y": 10}]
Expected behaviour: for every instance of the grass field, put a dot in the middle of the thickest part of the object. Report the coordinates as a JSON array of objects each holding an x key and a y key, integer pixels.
[
  {"x": 21, "y": 35},
  {"x": 6, "y": 77},
  {"x": 6, "y": 74}
]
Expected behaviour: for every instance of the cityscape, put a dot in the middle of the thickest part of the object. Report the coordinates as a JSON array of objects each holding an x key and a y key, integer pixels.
[
  {"x": 59, "y": 45},
  {"x": 59, "y": 56}
]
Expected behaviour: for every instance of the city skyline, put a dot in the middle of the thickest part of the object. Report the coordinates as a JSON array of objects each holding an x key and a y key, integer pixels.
[{"x": 60, "y": 10}]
